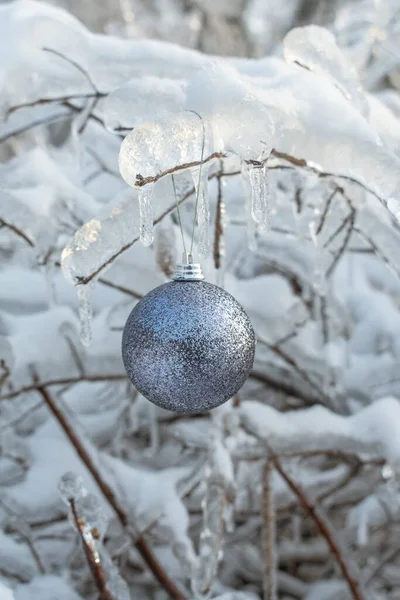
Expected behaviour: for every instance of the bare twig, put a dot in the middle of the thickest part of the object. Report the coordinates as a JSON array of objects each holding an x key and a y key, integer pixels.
[
  {"x": 323, "y": 528},
  {"x": 17, "y": 231},
  {"x": 141, "y": 181},
  {"x": 326, "y": 211},
  {"x": 120, "y": 288},
  {"x": 31, "y": 124},
  {"x": 25, "y": 537},
  {"x": 290, "y": 361},
  {"x": 268, "y": 529},
  {"x": 343, "y": 247},
  {"x": 63, "y": 381},
  {"x": 79, "y": 67},
  {"x": 141, "y": 545},
  {"x": 170, "y": 209}
]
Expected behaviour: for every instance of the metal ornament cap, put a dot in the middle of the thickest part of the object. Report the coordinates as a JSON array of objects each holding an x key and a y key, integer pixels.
[{"x": 188, "y": 346}]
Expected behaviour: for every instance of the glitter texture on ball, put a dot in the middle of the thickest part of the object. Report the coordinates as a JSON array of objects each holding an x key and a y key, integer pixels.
[{"x": 188, "y": 346}]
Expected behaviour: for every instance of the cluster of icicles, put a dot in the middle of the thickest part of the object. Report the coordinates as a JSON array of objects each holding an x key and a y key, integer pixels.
[
  {"x": 255, "y": 180},
  {"x": 256, "y": 184}
]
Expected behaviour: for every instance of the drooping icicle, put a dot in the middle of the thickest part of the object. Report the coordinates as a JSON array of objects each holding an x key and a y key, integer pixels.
[
  {"x": 146, "y": 214},
  {"x": 203, "y": 210},
  {"x": 259, "y": 194},
  {"x": 219, "y": 491},
  {"x": 85, "y": 312},
  {"x": 252, "y": 230},
  {"x": 117, "y": 586}
]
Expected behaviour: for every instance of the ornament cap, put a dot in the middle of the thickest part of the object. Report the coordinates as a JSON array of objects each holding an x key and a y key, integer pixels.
[{"x": 187, "y": 270}]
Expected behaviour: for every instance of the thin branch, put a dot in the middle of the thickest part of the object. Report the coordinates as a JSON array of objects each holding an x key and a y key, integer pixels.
[
  {"x": 120, "y": 288},
  {"x": 323, "y": 528},
  {"x": 284, "y": 387},
  {"x": 326, "y": 211},
  {"x": 35, "y": 123},
  {"x": 17, "y": 231},
  {"x": 339, "y": 229},
  {"x": 26, "y": 538},
  {"x": 141, "y": 181},
  {"x": 343, "y": 247},
  {"x": 141, "y": 545},
  {"x": 62, "y": 381},
  {"x": 377, "y": 251},
  {"x": 170, "y": 209},
  {"x": 268, "y": 529},
  {"x": 59, "y": 99},
  {"x": 290, "y": 361},
  {"x": 79, "y": 67}
]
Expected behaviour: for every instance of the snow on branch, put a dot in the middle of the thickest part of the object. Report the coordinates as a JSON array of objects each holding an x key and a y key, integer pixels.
[{"x": 374, "y": 429}]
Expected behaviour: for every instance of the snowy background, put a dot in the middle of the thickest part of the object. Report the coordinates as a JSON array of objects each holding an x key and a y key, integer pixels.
[{"x": 291, "y": 490}]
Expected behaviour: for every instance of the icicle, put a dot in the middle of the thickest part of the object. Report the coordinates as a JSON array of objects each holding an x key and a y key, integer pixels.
[
  {"x": 203, "y": 210},
  {"x": 117, "y": 586},
  {"x": 146, "y": 214},
  {"x": 259, "y": 194},
  {"x": 85, "y": 312},
  {"x": 154, "y": 429},
  {"x": 219, "y": 491},
  {"x": 319, "y": 282},
  {"x": 362, "y": 530},
  {"x": 252, "y": 232}
]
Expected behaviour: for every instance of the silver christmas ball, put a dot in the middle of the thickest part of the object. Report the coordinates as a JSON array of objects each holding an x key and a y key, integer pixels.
[{"x": 188, "y": 346}]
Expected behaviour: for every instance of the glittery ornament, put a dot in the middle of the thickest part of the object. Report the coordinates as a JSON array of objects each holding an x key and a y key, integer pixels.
[{"x": 188, "y": 346}]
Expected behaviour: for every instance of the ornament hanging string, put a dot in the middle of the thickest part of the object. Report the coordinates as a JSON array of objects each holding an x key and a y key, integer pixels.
[
  {"x": 197, "y": 193},
  {"x": 199, "y": 180},
  {"x": 179, "y": 215}
]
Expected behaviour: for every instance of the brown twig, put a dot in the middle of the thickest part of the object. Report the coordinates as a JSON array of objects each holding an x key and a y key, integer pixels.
[
  {"x": 343, "y": 247},
  {"x": 91, "y": 554},
  {"x": 326, "y": 211},
  {"x": 268, "y": 530},
  {"x": 141, "y": 545},
  {"x": 63, "y": 381},
  {"x": 141, "y": 181},
  {"x": 303, "y": 374},
  {"x": 322, "y": 526},
  {"x": 17, "y": 231},
  {"x": 170, "y": 209}
]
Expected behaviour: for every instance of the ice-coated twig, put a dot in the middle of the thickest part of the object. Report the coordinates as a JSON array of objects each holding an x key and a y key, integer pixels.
[
  {"x": 219, "y": 482},
  {"x": 141, "y": 181},
  {"x": 293, "y": 161},
  {"x": 141, "y": 545},
  {"x": 269, "y": 535},
  {"x": 91, "y": 553},
  {"x": 323, "y": 527},
  {"x": 325, "y": 399}
]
